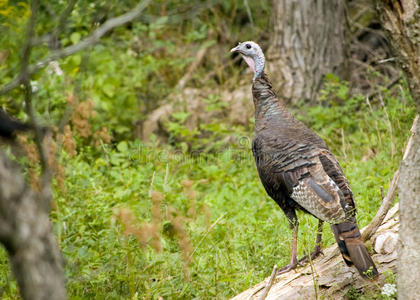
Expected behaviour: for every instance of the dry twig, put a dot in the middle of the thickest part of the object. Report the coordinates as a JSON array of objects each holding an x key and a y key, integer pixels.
[
  {"x": 207, "y": 232},
  {"x": 269, "y": 283}
]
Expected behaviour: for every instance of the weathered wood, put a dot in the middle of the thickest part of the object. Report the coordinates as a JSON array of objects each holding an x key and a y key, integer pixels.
[
  {"x": 329, "y": 276},
  {"x": 409, "y": 243}
]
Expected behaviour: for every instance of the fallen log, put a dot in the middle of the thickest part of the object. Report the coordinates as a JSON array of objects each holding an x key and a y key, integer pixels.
[{"x": 328, "y": 276}]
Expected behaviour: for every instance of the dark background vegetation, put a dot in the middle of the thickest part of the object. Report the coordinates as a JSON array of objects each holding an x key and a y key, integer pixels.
[{"x": 173, "y": 206}]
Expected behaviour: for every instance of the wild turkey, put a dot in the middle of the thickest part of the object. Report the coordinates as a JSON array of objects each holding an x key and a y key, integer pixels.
[
  {"x": 9, "y": 126},
  {"x": 299, "y": 172}
]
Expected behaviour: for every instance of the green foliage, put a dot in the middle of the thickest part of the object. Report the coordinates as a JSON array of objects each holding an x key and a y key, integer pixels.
[
  {"x": 135, "y": 67},
  {"x": 210, "y": 135},
  {"x": 378, "y": 292}
]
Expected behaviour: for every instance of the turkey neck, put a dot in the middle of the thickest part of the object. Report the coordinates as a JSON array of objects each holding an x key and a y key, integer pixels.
[
  {"x": 273, "y": 120},
  {"x": 267, "y": 105}
]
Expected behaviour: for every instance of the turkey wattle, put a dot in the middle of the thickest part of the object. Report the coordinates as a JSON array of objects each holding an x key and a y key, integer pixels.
[{"x": 299, "y": 172}]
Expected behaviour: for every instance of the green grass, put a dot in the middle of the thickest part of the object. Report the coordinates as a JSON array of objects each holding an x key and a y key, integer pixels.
[{"x": 251, "y": 233}]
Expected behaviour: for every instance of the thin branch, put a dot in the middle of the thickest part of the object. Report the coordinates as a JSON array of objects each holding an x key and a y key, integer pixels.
[
  {"x": 24, "y": 74},
  {"x": 391, "y": 83},
  {"x": 52, "y": 38},
  {"x": 26, "y": 52},
  {"x": 361, "y": 13},
  {"x": 62, "y": 20},
  {"x": 43, "y": 39},
  {"x": 223, "y": 66},
  {"x": 269, "y": 284},
  {"x": 50, "y": 10},
  {"x": 410, "y": 140},
  {"x": 388, "y": 200},
  {"x": 205, "y": 235},
  {"x": 382, "y": 61},
  {"x": 343, "y": 144},
  {"x": 383, "y": 210},
  {"x": 87, "y": 42}
]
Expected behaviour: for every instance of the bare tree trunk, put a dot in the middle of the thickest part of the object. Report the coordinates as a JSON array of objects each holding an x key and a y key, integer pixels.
[
  {"x": 401, "y": 19},
  {"x": 409, "y": 240},
  {"x": 307, "y": 43},
  {"x": 26, "y": 232}
]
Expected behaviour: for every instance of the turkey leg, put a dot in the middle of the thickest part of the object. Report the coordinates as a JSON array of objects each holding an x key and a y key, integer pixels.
[
  {"x": 317, "y": 249},
  {"x": 293, "y": 261}
]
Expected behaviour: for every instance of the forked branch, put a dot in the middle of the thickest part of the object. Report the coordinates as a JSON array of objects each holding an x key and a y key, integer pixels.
[{"x": 85, "y": 43}]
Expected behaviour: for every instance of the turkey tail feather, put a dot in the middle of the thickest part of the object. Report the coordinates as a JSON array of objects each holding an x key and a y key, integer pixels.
[{"x": 353, "y": 250}]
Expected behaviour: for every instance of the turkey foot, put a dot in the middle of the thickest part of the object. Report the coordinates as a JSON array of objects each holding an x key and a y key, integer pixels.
[
  {"x": 289, "y": 267},
  {"x": 317, "y": 251},
  {"x": 301, "y": 262}
]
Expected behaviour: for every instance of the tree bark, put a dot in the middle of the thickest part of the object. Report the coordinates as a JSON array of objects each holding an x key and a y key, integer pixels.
[
  {"x": 409, "y": 241},
  {"x": 308, "y": 42},
  {"x": 401, "y": 20},
  {"x": 26, "y": 232}
]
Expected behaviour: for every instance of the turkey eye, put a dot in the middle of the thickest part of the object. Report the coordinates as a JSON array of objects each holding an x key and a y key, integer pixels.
[{"x": 248, "y": 46}]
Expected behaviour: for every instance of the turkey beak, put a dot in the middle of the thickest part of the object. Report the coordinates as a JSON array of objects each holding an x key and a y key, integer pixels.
[{"x": 236, "y": 49}]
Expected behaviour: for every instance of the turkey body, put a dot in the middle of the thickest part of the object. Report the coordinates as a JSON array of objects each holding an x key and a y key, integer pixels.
[
  {"x": 299, "y": 172},
  {"x": 295, "y": 165}
]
